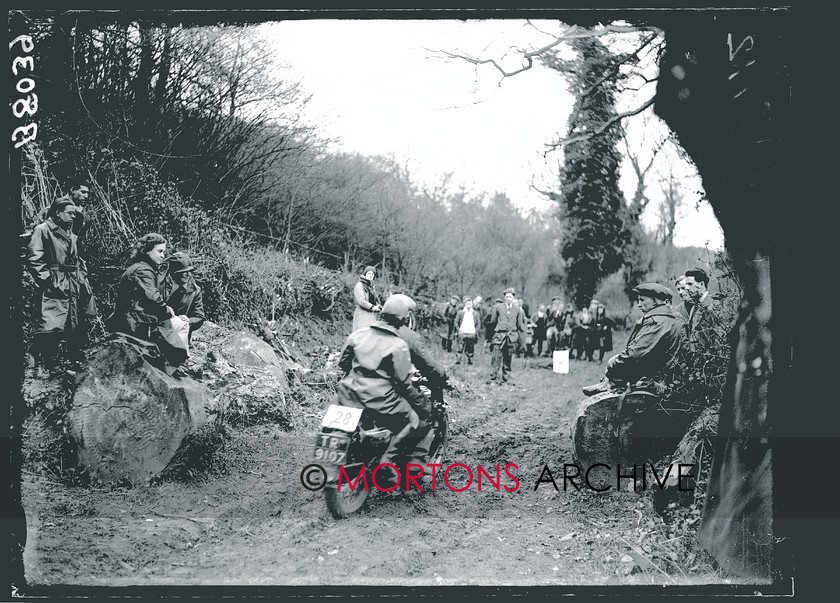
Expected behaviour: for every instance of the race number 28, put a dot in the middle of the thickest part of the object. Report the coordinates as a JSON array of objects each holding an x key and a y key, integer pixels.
[{"x": 26, "y": 106}]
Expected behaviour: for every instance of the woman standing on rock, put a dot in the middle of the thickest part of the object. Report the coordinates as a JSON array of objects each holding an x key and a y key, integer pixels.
[{"x": 367, "y": 302}]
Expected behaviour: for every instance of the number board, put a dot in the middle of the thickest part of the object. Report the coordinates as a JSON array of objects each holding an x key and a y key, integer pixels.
[{"x": 342, "y": 417}]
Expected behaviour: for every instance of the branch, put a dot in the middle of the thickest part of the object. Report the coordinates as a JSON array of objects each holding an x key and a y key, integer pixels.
[
  {"x": 607, "y": 125},
  {"x": 612, "y": 72}
]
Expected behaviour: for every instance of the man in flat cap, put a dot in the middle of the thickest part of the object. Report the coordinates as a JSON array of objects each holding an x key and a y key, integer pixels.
[
  {"x": 654, "y": 343},
  {"x": 510, "y": 325}
]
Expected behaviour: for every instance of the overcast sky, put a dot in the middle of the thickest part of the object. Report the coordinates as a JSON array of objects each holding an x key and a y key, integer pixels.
[{"x": 380, "y": 88}]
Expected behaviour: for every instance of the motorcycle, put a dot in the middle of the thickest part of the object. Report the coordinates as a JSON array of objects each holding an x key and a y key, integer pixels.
[{"x": 350, "y": 438}]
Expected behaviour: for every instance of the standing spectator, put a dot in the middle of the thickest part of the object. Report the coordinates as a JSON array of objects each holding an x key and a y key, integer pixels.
[
  {"x": 704, "y": 315},
  {"x": 524, "y": 306},
  {"x": 580, "y": 333},
  {"x": 182, "y": 293},
  {"x": 65, "y": 296},
  {"x": 469, "y": 326},
  {"x": 683, "y": 309},
  {"x": 521, "y": 346},
  {"x": 529, "y": 338},
  {"x": 510, "y": 327},
  {"x": 540, "y": 321},
  {"x": 556, "y": 320},
  {"x": 490, "y": 325},
  {"x": 79, "y": 193},
  {"x": 592, "y": 338},
  {"x": 479, "y": 309},
  {"x": 449, "y": 313},
  {"x": 604, "y": 326},
  {"x": 367, "y": 301}
]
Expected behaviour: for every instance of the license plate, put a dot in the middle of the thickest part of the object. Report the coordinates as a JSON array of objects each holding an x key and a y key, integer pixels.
[
  {"x": 341, "y": 417},
  {"x": 331, "y": 448}
]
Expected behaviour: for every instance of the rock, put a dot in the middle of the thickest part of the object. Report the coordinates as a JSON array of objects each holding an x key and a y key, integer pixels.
[
  {"x": 600, "y": 435},
  {"x": 245, "y": 374},
  {"x": 243, "y": 349},
  {"x": 128, "y": 419}
]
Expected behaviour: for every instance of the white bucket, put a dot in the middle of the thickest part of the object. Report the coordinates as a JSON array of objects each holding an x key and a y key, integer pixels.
[{"x": 561, "y": 361}]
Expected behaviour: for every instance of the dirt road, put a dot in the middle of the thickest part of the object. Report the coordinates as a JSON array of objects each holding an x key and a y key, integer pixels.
[{"x": 254, "y": 523}]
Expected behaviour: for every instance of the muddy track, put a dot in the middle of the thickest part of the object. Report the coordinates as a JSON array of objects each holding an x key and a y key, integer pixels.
[{"x": 256, "y": 524}]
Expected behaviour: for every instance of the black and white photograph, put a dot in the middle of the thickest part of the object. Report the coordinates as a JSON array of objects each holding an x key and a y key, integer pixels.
[{"x": 399, "y": 301}]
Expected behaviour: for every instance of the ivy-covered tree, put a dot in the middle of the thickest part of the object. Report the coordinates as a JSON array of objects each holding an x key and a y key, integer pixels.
[{"x": 592, "y": 205}]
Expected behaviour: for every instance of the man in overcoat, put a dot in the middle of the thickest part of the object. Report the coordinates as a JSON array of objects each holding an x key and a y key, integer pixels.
[
  {"x": 65, "y": 296},
  {"x": 510, "y": 326}
]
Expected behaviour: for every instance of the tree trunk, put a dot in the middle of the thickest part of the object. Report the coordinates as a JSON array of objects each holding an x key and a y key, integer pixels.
[{"x": 724, "y": 89}]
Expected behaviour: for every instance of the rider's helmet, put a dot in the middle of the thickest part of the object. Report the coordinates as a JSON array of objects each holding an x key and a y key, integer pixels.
[{"x": 400, "y": 307}]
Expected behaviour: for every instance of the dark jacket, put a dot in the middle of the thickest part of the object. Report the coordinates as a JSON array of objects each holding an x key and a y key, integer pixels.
[
  {"x": 139, "y": 301},
  {"x": 510, "y": 322},
  {"x": 450, "y": 311},
  {"x": 420, "y": 357},
  {"x": 186, "y": 300},
  {"x": 703, "y": 323},
  {"x": 604, "y": 326},
  {"x": 377, "y": 363},
  {"x": 61, "y": 275},
  {"x": 540, "y": 325},
  {"x": 652, "y": 348}
]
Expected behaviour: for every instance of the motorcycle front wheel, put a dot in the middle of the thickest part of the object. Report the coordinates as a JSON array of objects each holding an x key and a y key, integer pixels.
[
  {"x": 440, "y": 443},
  {"x": 348, "y": 501}
]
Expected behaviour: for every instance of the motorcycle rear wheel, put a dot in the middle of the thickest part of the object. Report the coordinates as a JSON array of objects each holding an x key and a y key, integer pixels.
[{"x": 343, "y": 504}]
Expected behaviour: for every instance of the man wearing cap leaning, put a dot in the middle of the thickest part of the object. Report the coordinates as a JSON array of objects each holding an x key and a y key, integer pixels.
[
  {"x": 182, "y": 293},
  {"x": 510, "y": 324},
  {"x": 655, "y": 341}
]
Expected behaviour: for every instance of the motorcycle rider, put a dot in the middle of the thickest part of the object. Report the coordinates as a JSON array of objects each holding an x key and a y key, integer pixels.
[{"x": 377, "y": 362}]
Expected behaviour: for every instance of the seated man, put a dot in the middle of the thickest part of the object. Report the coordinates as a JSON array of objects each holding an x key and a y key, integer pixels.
[
  {"x": 182, "y": 293},
  {"x": 377, "y": 366},
  {"x": 651, "y": 351}
]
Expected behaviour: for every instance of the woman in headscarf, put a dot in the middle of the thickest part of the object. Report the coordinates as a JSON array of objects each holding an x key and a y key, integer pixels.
[{"x": 367, "y": 302}]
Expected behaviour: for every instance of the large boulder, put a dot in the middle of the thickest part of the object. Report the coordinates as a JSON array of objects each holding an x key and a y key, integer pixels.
[
  {"x": 245, "y": 374},
  {"x": 128, "y": 418},
  {"x": 243, "y": 349},
  {"x": 627, "y": 429}
]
